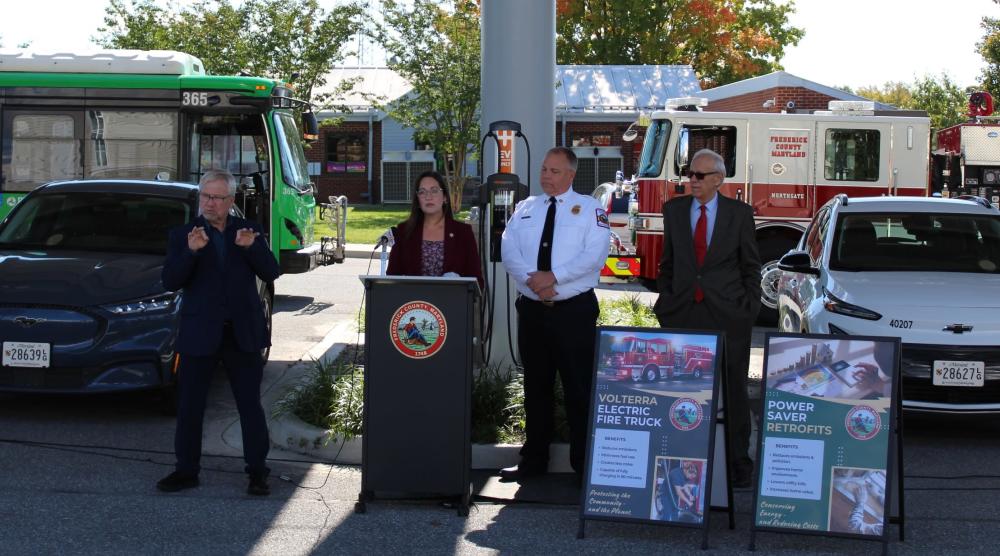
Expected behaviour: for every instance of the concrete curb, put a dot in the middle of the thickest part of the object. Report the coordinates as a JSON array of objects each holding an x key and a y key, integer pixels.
[
  {"x": 362, "y": 251},
  {"x": 292, "y": 434}
]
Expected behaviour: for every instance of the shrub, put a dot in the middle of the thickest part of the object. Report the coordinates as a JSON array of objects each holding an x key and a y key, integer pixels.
[
  {"x": 331, "y": 397},
  {"x": 627, "y": 310}
]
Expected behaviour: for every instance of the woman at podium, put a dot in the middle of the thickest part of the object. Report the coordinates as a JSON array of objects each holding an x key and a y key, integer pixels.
[{"x": 431, "y": 242}]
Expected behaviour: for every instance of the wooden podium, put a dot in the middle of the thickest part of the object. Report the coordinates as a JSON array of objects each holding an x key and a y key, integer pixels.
[{"x": 418, "y": 383}]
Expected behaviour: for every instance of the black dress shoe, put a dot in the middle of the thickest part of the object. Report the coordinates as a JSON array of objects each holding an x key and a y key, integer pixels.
[
  {"x": 177, "y": 481},
  {"x": 258, "y": 486},
  {"x": 523, "y": 470}
]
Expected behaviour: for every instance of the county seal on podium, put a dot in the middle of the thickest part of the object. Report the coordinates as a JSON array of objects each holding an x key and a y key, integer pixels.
[{"x": 418, "y": 329}]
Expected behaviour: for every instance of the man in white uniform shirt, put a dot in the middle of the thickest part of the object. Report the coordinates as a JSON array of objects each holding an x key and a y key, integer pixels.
[{"x": 554, "y": 247}]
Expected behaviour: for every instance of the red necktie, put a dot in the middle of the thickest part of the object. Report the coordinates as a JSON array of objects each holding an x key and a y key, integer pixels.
[{"x": 700, "y": 247}]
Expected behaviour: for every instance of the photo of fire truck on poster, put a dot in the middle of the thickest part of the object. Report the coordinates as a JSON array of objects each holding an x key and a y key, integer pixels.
[{"x": 652, "y": 426}]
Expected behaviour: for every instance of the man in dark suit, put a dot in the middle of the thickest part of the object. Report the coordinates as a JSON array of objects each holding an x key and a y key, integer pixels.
[
  {"x": 216, "y": 259},
  {"x": 710, "y": 279}
]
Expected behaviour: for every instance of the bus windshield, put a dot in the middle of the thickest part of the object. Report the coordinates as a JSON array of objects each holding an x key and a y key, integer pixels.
[{"x": 293, "y": 158}]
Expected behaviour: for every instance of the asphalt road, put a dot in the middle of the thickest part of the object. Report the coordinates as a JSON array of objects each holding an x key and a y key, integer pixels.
[{"x": 77, "y": 476}]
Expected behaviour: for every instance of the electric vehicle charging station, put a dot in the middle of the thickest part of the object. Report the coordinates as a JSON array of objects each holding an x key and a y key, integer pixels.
[
  {"x": 499, "y": 196},
  {"x": 518, "y": 67}
]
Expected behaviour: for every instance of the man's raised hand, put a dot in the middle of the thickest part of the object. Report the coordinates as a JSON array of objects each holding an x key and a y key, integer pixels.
[
  {"x": 197, "y": 238},
  {"x": 246, "y": 236}
]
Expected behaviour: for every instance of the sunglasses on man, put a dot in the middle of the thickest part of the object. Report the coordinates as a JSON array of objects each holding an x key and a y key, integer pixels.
[{"x": 699, "y": 175}]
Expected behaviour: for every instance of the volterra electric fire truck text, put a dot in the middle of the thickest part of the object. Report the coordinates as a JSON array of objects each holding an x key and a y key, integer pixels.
[
  {"x": 785, "y": 166},
  {"x": 653, "y": 359}
]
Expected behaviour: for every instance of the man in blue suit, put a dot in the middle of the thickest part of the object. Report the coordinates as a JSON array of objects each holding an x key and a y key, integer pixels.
[{"x": 216, "y": 259}]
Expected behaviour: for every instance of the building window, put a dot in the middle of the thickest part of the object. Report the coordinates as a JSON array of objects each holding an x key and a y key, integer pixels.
[
  {"x": 851, "y": 155},
  {"x": 591, "y": 139},
  {"x": 346, "y": 153}
]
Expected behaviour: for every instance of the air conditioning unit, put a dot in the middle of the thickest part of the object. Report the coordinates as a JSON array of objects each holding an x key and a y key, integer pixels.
[
  {"x": 399, "y": 170},
  {"x": 595, "y": 165}
]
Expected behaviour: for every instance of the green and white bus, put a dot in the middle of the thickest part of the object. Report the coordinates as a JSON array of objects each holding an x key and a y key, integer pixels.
[{"x": 157, "y": 115}]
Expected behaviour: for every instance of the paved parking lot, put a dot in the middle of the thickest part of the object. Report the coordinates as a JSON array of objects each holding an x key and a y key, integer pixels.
[{"x": 78, "y": 475}]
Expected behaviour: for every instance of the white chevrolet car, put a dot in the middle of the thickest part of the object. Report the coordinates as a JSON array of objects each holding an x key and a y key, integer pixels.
[{"x": 924, "y": 269}]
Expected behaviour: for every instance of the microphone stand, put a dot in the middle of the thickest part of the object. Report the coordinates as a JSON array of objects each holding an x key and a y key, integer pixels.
[{"x": 384, "y": 256}]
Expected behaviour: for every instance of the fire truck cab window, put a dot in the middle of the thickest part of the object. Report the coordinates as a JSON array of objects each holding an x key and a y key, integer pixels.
[
  {"x": 654, "y": 147},
  {"x": 851, "y": 155},
  {"x": 721, "y": 139}
]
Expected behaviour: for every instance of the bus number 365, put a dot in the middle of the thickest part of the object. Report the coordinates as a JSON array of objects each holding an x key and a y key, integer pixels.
[{"x": 189, "y": 98}]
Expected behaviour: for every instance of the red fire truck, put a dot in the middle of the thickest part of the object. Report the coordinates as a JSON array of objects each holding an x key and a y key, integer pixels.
[
  {"x": 784, "y": 165},
  {"x": 967, "y": 158},
  {"x": 648, "y": 360}
]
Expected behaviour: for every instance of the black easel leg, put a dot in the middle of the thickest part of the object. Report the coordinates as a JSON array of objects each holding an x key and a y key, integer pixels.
[
  {"x": 581, "y": 531},
  {"x": 899, "y": 468}
]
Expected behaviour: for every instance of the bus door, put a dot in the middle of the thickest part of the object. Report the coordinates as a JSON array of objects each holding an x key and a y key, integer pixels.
[{"x": 237, "y": 143}]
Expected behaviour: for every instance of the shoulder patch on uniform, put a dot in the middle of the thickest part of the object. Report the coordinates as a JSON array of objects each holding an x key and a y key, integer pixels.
[{"x": 602, "y": 218}]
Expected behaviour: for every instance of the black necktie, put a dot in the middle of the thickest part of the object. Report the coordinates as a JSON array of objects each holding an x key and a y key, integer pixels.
[{"x": 545, "y": 247}]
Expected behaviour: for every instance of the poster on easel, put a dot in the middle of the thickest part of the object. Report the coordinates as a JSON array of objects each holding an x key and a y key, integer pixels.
[
  {"x": 652, "y": 426},
  {"x": 828, "y": 413}
]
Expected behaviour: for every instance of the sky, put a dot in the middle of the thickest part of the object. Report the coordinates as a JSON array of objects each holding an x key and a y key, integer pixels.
[{"x": 856, "y": 43}]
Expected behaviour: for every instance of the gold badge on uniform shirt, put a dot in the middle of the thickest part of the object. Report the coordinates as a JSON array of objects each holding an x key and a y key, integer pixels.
[{"x": 575, "y": 209}]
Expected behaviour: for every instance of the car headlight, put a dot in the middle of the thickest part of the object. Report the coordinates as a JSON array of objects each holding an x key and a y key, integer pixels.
[
  {"x": 155, "y": 303},
  {"x": 835, "y": 305}
]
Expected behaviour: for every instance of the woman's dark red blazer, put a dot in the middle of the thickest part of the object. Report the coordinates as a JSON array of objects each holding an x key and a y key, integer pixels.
[{"x": 460, "y": 253}]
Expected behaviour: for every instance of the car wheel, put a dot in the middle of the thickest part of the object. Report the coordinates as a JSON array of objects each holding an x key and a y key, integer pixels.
[
  {"x": 697, "y": 372},
  {"x": 651, "y": 373},
  {"x": 772, "y": 248}
]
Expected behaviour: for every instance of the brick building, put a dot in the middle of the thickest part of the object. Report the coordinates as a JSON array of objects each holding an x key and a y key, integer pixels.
[
  {"x": 371, "y": 158},
  {"x": 596, "y": 104},
  {"x": 775, "y": 92}
]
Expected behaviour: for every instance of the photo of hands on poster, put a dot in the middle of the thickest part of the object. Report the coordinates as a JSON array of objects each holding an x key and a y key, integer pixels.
[
  {"x": 679, "y": 490},
  {"x": 857, "y": 501},
  {"x": 830, "y": 368}
]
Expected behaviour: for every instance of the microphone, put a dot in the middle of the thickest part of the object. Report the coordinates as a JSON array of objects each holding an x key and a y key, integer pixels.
[{"x": 387, "y": 239}]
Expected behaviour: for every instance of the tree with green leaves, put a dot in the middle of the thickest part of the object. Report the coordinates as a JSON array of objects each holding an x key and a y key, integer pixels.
[
  {"x": 724, "y": 40},
  {"x": 989, "y": 48},
  {"x": 943, "y": 100},
  {"x": 296, "y": 41},
  {"x": 434, "y": 45},
  {"x": 895, "y": 93}
]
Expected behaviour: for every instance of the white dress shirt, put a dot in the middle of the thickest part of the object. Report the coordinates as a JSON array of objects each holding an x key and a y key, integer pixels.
[{"x": 579, "y": 243}]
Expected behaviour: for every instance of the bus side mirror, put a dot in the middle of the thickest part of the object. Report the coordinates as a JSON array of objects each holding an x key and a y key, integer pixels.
[{"x": 310, "y": 127}]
